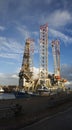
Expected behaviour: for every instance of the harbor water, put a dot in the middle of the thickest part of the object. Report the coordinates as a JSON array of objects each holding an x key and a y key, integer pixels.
[{"x": 7, "y": 96}]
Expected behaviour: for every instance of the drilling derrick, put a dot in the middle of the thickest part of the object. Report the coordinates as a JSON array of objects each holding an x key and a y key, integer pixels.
[
  {"x": 43, "y": 69},
  {"x": 26, "y": 71},
  {"x": 56, "y": 57}
]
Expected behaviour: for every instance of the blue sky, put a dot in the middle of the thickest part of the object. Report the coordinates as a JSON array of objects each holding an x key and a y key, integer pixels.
[{"x": 20, "y": 19}]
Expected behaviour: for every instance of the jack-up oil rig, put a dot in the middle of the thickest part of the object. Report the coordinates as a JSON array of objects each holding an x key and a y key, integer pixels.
[{"x": 44, "y": 80}]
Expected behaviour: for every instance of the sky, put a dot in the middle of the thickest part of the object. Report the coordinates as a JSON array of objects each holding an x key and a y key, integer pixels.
[{"x": 20, "y": 19}]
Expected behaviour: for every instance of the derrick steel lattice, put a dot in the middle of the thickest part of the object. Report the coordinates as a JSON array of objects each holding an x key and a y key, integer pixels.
[
  {"x": 43, "y": 68},
  {"x": 27, "y": 62},
  {"x": 56, "y": 57}
]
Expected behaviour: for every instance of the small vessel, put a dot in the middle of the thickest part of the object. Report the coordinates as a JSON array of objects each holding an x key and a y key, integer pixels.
[
  {"x": 24, "y": 94},
  {"x": 33, "y": 94},
  {"x": 1, "y": 90},
  {"x": 21, "y": 94},
  {"x": 43, "y": 89}
]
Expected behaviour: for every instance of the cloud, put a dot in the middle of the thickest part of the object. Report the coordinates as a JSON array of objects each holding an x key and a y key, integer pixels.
[
  {"x": 9, "y": 79},
  {"x": 36, "y": 70},
  {"x": 9, "y": 55},
  {"x": 13, "y": 79},
  {"x": 59, "y": 35},
  {"x": 2, "y": 28},
  {"x": 57, "y": 18},
  {"x": 11, "y": 10},
  {"x": 69, "y": 31},
  {"x": 3, "y": 6},
  {"x": 10, "y": 44},
  {"x": 56, "y": 13},
  {"x": 10, "y": 48},
  {"x": 60, "y": 18},
  {"x": 23, "y": 30},
  {"x": 66, "y": 71},
  {"x": 15, "y": 76},
  {"x": 36, "y": 73},
  {"x": 68, "y": 84},
  {"x": 48, "y": 1},
  {"x": 2, "y": 75}
]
